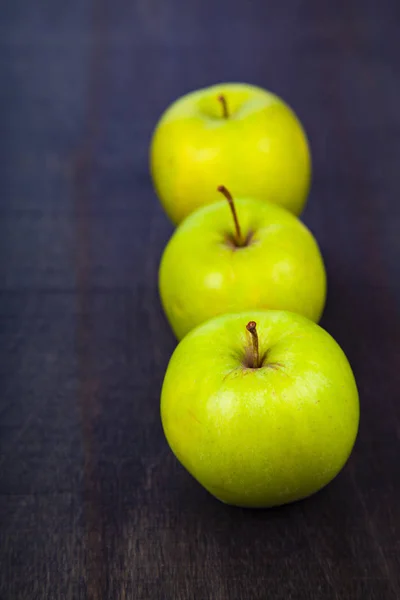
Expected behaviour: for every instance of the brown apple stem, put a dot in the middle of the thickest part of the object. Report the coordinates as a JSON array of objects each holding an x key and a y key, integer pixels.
[
  {"x": 231, "y": 203},
  {"x": 225, "y": 112},
  {"x": 252, "y": 328}
]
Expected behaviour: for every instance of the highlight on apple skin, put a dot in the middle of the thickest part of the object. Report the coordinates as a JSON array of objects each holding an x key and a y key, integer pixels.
[
  {"x": 259, "y": 257},
  {"x": 237, "y": 133},
  {"x": 260, "y": 423}
]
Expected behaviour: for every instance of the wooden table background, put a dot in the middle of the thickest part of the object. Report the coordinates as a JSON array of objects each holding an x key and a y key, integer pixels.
[{"x": 92, "y": 503}]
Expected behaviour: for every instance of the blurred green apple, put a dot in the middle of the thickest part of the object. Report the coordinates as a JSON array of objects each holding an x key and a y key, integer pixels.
[
  {"x": 236, "y": 133},
  {"x": 264, "y": 258},
  {"x": 260, "y": 416}
]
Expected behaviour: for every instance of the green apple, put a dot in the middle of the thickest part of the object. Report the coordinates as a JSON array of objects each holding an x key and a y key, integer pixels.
[
  {"x": 236, "y": 133},
  {"x": 263, "y": 258},
  {"x": 261, "y": 415}
]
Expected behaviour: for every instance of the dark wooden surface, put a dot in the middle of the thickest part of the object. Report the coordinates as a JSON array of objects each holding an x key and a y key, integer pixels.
[{"x": 92, "y": 503}]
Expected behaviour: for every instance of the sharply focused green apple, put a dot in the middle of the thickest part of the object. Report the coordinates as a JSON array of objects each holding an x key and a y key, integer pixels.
[
  {"x": 263, "y": 258},
  {"x": 236, "y": 133},
  {"x": 260, "y": 407}
]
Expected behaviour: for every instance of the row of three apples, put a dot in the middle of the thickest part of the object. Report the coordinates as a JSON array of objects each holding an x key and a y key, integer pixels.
[{"x": 259, "y": 405}]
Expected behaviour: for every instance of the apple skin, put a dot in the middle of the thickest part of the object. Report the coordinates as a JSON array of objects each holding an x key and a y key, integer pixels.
[
  {"x": 260, "y": 437},
  {"x": 202, "y": 275},
  {"x": 260, "y": 150}
]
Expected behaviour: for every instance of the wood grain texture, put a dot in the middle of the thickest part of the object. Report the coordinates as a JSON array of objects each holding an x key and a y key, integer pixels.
[{"x": 92, "y": 503}]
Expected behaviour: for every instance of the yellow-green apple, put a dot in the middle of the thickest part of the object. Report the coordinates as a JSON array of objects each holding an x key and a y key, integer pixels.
[
  {"x": 236, "y": 133},
  {"x": 261, "y": 407},
  {"x": 263, "y": 258}
]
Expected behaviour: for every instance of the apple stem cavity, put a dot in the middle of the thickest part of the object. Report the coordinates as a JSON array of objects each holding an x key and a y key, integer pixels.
[
  {"x": 252, "y": 329},
  {"x": 228, "y": 196},
  {"x": 224, "y": 104}
]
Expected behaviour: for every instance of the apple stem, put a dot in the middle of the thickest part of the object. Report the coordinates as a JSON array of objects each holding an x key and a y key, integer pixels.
[
  {"x": 252, "y": 328},
  {"x": 228, "y": 196},
  {"x": 225, "y": 112}
]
